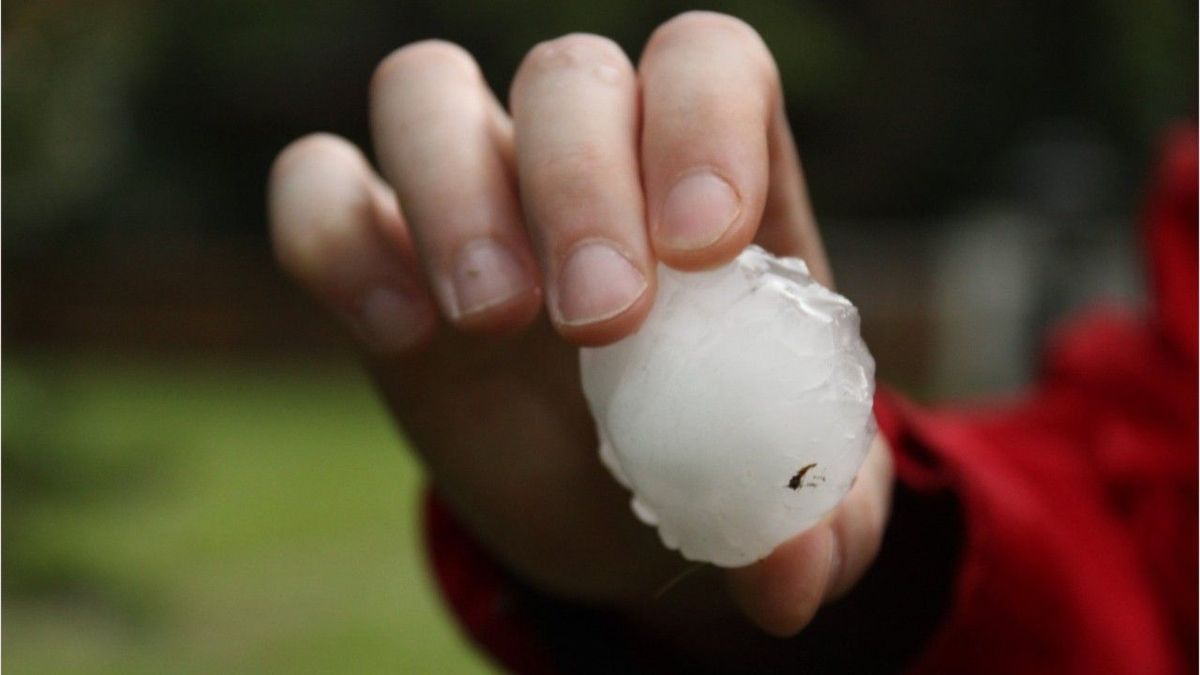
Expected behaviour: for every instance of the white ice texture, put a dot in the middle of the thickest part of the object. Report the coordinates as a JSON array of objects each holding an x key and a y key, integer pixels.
[{"x": 740, "y": 411}]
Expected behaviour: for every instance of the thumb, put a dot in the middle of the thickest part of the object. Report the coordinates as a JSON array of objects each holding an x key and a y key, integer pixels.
[{"x": 782, "y": 592}]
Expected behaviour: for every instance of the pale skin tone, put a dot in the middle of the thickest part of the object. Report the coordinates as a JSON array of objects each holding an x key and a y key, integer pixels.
[{"x": 493, "y": 240}]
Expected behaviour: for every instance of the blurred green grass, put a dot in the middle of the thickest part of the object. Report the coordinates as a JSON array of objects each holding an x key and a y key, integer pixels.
[{"x": 204, "y": 515}]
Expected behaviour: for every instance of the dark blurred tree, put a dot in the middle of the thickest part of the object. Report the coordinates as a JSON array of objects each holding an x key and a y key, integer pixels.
[{"x": 163, "y": 116}]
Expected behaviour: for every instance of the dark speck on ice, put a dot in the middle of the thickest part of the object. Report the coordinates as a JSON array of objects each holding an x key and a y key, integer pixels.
[{"x": 794, "y": 483}]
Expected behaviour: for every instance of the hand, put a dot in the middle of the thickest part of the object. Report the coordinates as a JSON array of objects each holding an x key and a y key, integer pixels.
[{"x": 597, "y": 171}]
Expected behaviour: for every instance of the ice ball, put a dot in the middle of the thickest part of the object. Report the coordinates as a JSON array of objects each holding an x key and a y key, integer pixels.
[{"x": 740, "y": 411}]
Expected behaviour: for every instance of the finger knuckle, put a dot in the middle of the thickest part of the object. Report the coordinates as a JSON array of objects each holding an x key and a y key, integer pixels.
[
  {"x": 305, "y": 247},
  {"x": 689, "y": 25},
  {"x": 317, "y": 146},
  {"x": 580, "y": 163},
  {"x": 438, "y": 57},
  {"x": 577, "y": 51},
  {"x": 315, "y": 198},
  {"x": 699, "y": 26}
]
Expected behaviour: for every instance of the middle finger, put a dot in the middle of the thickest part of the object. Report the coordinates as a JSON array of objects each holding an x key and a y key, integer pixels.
[{"x": 574, "y": 104}]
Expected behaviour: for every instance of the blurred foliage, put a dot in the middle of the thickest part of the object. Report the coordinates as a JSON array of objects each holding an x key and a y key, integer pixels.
[
  {"x": 163, "y": 116},
  {"x": 190, "y": 517}
]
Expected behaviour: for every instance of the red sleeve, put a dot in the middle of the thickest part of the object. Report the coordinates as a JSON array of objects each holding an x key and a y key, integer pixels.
[
  {"x": 1079, "y": 511},
  {"x": 1077, "y": 504},
  {"x": 483, "y": 598},
  {"x": 1080, "y": 502}
]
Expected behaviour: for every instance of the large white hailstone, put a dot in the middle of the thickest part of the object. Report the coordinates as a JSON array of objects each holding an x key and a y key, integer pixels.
[{"x": 740, "y": 411}]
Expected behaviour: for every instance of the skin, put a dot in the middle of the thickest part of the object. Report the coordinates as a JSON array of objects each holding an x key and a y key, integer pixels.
[{"x": 476, "y": 356}]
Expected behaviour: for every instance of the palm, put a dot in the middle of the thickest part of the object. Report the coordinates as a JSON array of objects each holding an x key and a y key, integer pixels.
[{"x": 503, "y": 425}]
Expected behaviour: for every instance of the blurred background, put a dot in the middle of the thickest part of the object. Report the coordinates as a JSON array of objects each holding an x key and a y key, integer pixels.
[{"x": 197, "y": 477}]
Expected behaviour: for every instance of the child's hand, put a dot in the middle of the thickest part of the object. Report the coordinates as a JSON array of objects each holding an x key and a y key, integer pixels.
[{"x": 596, "y": 171}]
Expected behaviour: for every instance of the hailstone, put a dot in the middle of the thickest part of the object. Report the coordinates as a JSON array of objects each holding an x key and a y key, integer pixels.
[{"x": 740, "y": 411}]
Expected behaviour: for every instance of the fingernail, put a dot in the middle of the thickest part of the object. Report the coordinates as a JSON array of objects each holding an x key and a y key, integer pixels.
[
  {"x": 388, "y": 321},
  {"x": 697, "y": 211},
  {"x": 596, "y": 283},
  {"x": 486, "y": 273}
]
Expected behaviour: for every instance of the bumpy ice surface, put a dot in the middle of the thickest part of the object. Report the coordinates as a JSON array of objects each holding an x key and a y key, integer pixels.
[{"x": 740, "y": 411}]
